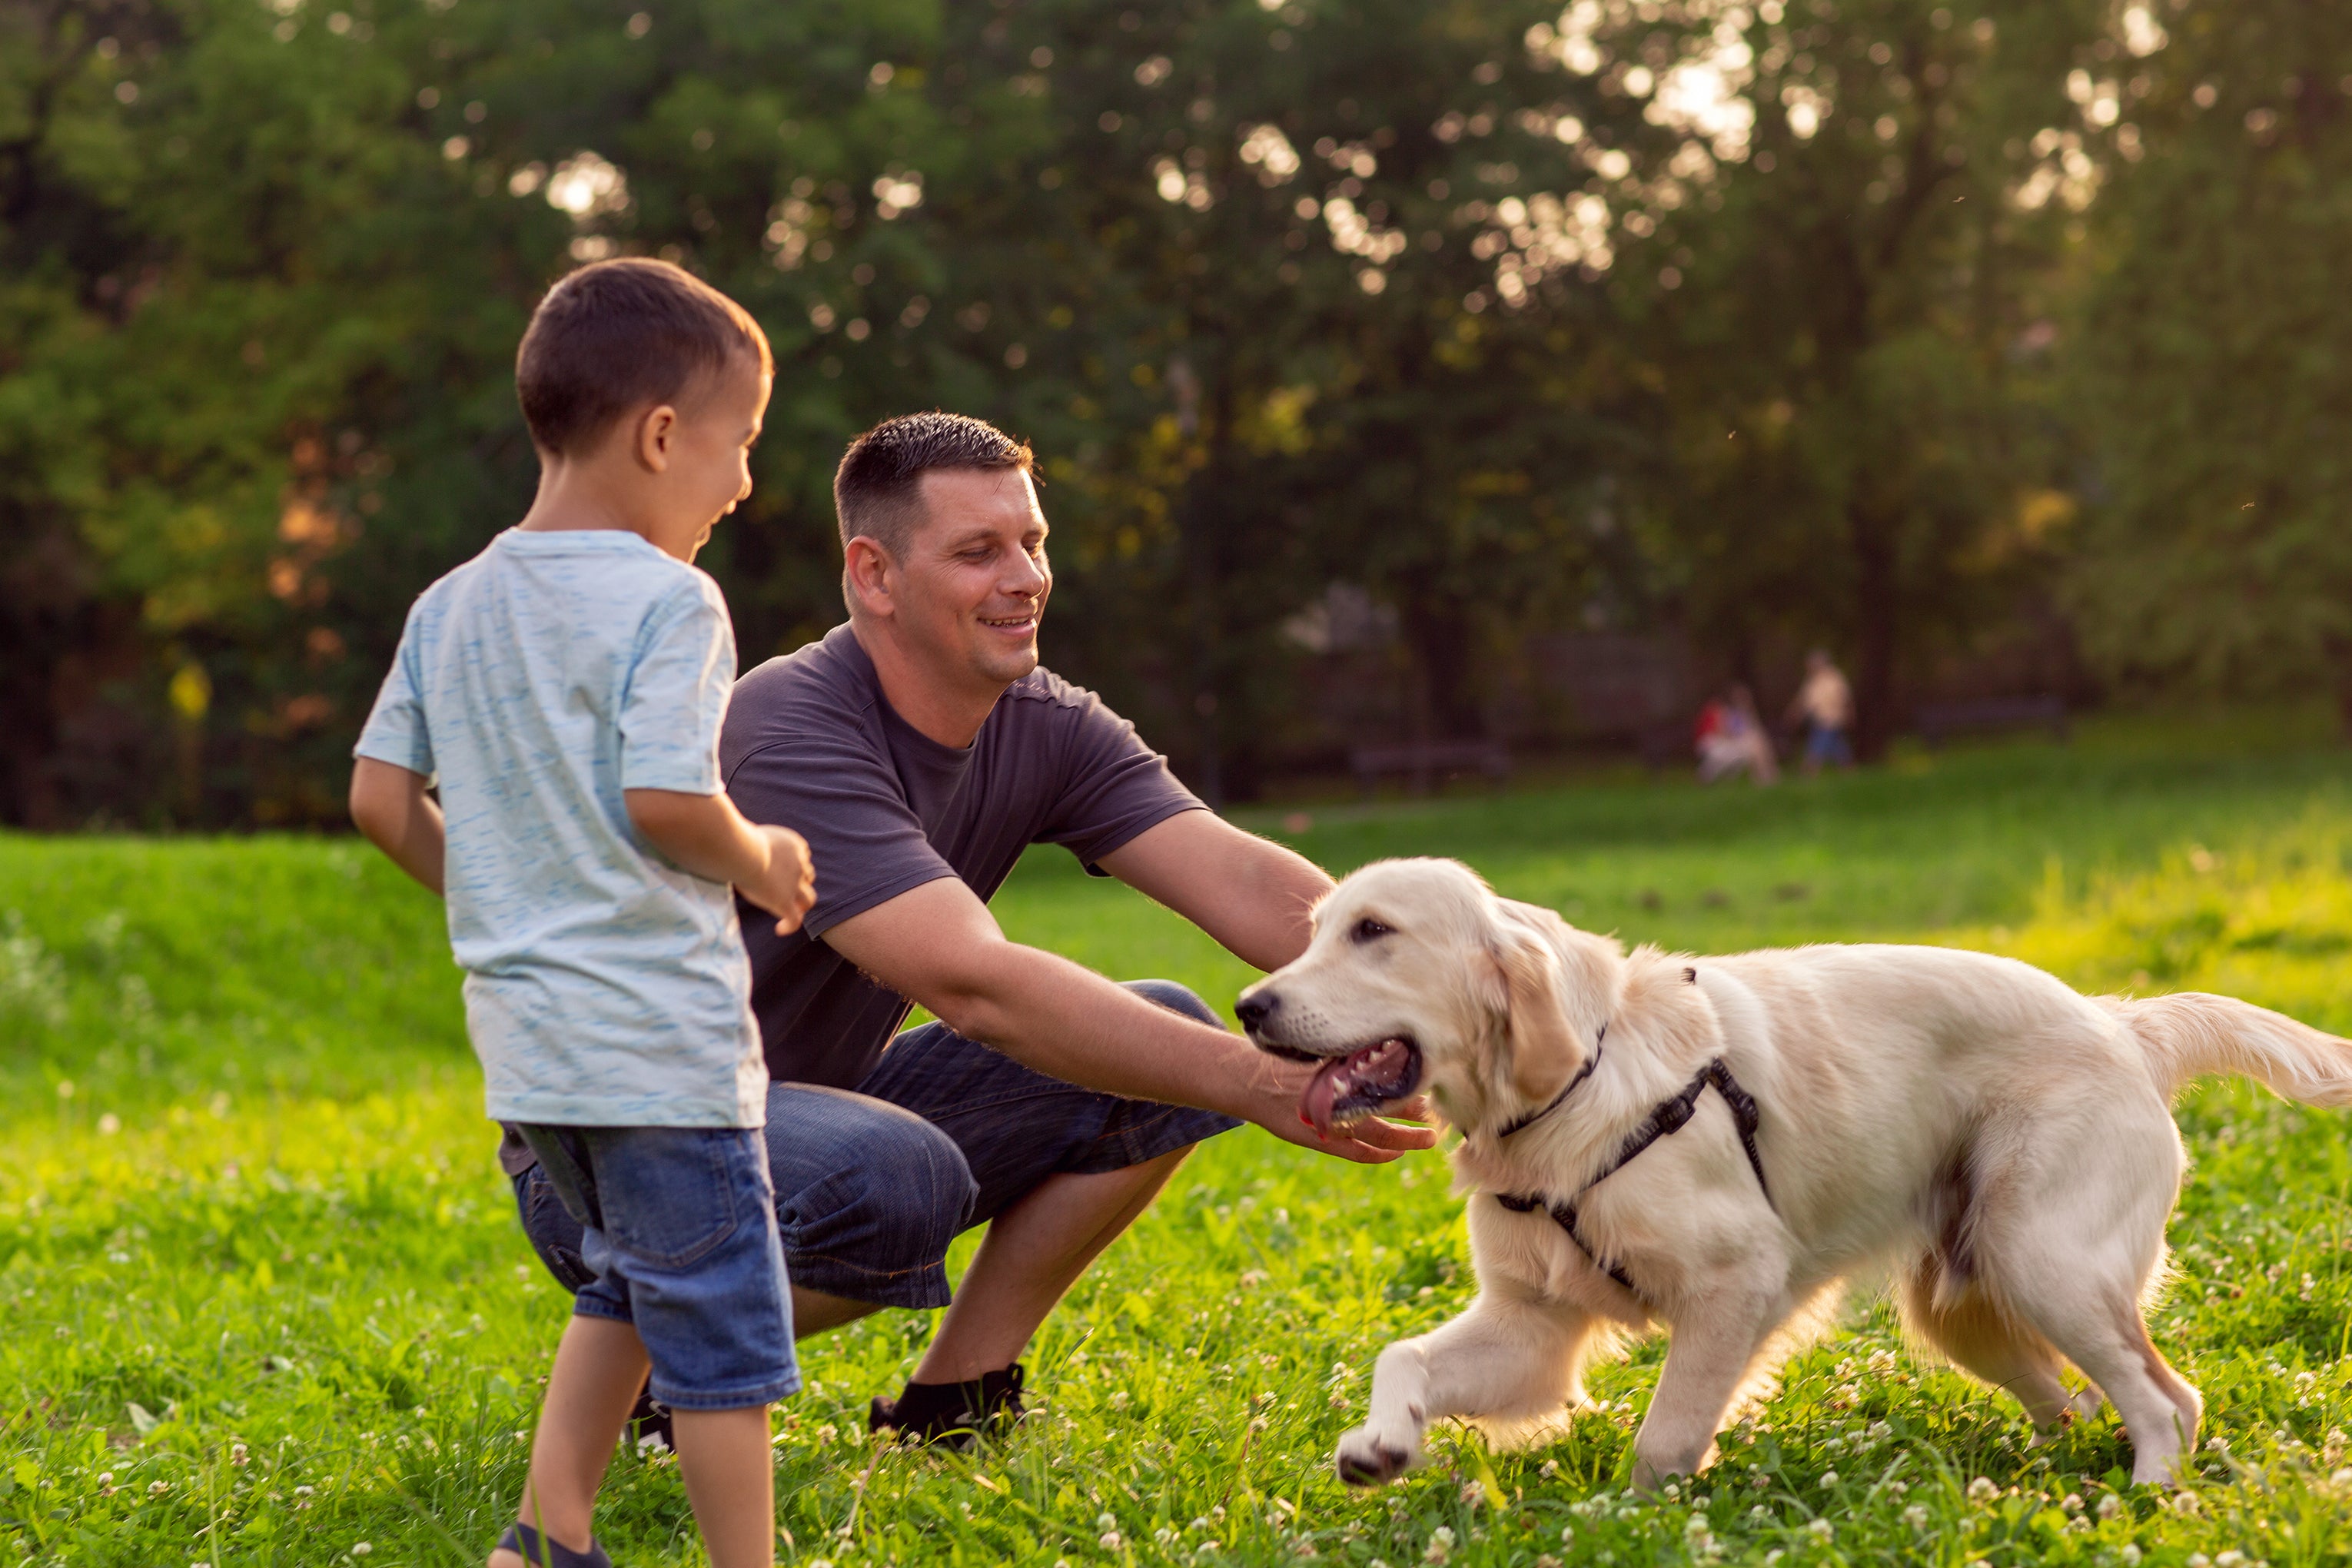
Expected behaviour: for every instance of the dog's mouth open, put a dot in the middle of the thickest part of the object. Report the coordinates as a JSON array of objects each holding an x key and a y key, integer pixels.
[{"x": 1350, "y": 1087}]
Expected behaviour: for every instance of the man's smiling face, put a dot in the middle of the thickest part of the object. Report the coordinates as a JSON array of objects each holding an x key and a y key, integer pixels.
[{"x": 976, "y": 578}]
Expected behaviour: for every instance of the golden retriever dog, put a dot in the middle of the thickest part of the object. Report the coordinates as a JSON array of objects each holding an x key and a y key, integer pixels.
[{"x": 1713, "y": 1144}]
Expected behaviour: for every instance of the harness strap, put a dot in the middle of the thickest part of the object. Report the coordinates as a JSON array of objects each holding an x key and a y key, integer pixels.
[
  {"x": 1532, "y": 1117},
  {"x": 1667, "y": 1119},
  {"x": 1564, "y": 1216}
]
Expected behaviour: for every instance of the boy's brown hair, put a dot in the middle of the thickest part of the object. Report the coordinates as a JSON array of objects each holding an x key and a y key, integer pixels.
[{"x": 619, "y": 335}]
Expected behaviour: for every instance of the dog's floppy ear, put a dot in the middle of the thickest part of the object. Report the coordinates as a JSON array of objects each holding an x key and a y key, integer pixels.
[{"x": 1527, "y": 983}]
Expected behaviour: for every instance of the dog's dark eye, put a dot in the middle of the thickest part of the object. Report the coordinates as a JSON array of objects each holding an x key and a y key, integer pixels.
[{"x": 1368, "y": 930}]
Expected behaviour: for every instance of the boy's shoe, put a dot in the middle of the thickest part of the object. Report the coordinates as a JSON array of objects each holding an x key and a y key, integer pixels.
[
  {"x": 950, "y": 1413},
  {"x": 543, "y": 1552}
]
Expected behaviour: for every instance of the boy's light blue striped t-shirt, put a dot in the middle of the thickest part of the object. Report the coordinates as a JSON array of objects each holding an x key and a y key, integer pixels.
[{"x": 604, "y": 985}]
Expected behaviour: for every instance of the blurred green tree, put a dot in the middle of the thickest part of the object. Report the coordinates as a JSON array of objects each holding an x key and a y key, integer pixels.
[
  {"x": 2215, "y": 352},
  {"x": 1846, "y": 264}
]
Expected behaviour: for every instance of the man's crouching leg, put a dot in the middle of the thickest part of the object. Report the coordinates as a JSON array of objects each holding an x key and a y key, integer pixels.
[{"x": 1061, "y": 1171}]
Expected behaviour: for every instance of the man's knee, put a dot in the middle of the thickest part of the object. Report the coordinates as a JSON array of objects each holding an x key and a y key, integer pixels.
[
  {"x": 869, "y": 1215},
  {"x": 1176, "y": 998}
]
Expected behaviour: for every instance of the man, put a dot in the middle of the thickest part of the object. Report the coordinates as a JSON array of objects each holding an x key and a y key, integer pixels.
[
  {"x": 1824, "y": 705},
  {"x": 920, "y": 749}
]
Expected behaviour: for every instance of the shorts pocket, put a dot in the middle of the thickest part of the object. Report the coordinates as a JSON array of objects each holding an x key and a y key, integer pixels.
[{"x": 671, "y": 1195}]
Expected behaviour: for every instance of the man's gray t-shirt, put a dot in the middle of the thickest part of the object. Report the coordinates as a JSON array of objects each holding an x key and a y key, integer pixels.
[{"x": 811, "y": 743}]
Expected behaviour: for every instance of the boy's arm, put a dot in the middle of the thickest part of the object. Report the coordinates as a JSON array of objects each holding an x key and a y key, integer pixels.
[
  {"x": 704, "y": 834},
  {"x": 389, "y": 805}
]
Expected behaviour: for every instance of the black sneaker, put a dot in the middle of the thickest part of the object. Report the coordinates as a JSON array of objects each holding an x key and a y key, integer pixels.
[
  {"x": 649, "y": 1425},
  {"x": 950, "y": 1413}
]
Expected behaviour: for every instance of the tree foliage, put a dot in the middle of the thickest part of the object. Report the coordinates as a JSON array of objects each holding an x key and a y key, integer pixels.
[
  {"x": 1757, "y": 319},
  {"x": 2216, "y": 352}
]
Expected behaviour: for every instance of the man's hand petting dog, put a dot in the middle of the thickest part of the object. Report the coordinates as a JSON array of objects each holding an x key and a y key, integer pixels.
[{"x": 1368, "y": 1139}]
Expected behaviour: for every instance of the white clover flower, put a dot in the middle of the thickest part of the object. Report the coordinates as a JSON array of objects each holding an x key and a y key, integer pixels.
[
  {"x": 1821, "y": 1529},
  {"x": 2110, "y": 1506},
  {"x": 1915, "y": 1516},
  {"x": 1110, "y": 1540},
  {"x": 1441, "y": 1545},
  {"x": 1829, "y": 1480},
  {"x": 1982, "y": 1489},
  {"x": 2130, "y": 1555}
]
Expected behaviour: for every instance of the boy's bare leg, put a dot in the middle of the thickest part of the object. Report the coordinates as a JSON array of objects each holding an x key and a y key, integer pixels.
[
  {"x": 598, "y": 1367},
  {"x": 1035, "y": 1251},
  {"x": 730, "y": 1480}
]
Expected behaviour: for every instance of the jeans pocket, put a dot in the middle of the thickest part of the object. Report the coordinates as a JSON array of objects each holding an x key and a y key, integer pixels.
[
  {"x": 673, "y": 1197},
  {"x": 553, "y": 1234}
]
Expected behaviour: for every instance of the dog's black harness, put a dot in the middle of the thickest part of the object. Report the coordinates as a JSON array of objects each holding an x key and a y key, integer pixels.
[{"x": 1669, "y": 1116}]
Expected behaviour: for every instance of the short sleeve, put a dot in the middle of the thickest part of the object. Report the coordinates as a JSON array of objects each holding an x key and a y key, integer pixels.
[
  {"x": 395, "y": 731},
  {"x": 676, "y": 696},
  {"x": 1113, "y": 786},
  {"x": 835, "y": 787}
]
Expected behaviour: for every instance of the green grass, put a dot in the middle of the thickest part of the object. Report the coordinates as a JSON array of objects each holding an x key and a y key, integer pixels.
[{"x": 266, "y": 1300}]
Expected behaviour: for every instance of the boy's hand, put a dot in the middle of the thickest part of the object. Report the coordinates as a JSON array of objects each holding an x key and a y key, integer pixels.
[{"x": 789, "y": 887}]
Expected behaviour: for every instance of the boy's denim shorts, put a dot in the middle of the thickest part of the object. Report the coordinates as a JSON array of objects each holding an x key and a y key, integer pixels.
[
  {"x": 679, "y": 1238},
  {"x": 872, "y": 1184}
]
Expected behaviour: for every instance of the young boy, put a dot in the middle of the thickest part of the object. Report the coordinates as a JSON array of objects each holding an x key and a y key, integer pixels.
[{"x": 566, "y": 686}]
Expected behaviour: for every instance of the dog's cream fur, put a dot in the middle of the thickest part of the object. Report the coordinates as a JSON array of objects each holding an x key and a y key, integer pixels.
[{"x": 1999, "y": 1143}]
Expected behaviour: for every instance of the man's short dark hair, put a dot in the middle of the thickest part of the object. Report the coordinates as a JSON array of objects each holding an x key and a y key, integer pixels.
[
  {"x": 619, "y": 335},
  {"x": 875, "y": 490}
]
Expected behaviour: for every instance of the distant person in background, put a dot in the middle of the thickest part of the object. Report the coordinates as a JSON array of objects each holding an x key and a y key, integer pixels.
[
  {"x": 1825, "y": 707},
  {"x": 1730, "y": 739}
]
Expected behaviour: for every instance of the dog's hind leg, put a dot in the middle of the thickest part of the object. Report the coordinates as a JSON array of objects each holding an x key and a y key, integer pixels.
[
  {"x": 1507, "y": 1360},
  {"x": 2069, "y": 1244},
  {"x": 1968, "y": 1326}
]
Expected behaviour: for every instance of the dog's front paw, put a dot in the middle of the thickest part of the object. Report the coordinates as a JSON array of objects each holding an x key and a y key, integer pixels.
[{"x": 1366, "y": 1458}]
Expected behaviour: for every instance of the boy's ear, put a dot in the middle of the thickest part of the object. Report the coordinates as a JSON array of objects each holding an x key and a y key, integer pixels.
[{"x": 657, "y": 427}]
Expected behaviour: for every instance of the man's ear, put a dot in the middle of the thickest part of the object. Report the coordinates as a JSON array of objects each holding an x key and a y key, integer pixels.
[
  {"x": 1544, "y": 1053},
  {"x": 866, "y": 568}
]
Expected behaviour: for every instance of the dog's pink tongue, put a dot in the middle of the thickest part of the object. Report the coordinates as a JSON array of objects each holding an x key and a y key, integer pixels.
[
  {"x": 1322, "y": 1091},
  {"x": 1317, "y": 1101}
]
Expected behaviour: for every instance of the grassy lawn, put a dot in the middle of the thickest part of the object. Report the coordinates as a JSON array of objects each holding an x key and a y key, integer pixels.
[{"x": 267, "y": 1301}]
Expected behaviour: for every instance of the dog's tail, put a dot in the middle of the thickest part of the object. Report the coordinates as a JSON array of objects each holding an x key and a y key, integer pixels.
[{"x": 2192, "y": 1033}]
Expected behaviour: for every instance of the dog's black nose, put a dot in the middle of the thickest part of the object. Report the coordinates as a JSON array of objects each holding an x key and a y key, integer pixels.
[{"x": 1253, "y": 1010}]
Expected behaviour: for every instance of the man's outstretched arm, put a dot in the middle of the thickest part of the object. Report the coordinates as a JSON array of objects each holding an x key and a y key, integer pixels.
[
  {"x": 1257, "y": 898},
  {"x": 939, "y": 945}
]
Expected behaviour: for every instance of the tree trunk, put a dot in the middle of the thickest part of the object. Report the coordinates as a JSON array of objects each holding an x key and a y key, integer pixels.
[
  {"x": 1441, "y": 633},
  {"x": 1873, "y": 538},
  {"x": 2339, "y": 658}
]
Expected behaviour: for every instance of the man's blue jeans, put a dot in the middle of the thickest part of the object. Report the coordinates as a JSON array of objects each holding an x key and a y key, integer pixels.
[{"x": 873, "y": 1184}]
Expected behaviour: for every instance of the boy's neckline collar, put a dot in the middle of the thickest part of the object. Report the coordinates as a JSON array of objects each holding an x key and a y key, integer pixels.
[{"x": 542, "y": 538}]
